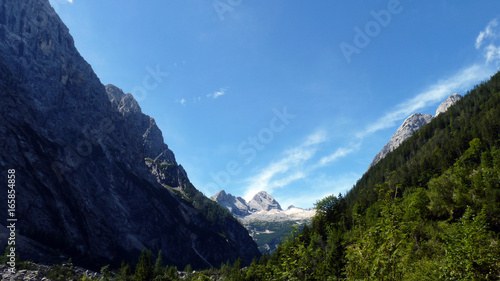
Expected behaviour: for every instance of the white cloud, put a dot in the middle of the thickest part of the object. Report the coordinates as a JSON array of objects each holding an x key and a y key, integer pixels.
[
  {"x": 316, "y": 138},
  {"x": 339, "y": 153},
  {"x": 297, "y": 175},
  {"x": 217, "y": 94},
  {"x": 492, "y": 53},
  {"x": 182, "y": 101},
  {"x": 487, "y": 38},
  {"x": 285, "y": 170},
  {"x": 488, "y": 32}
]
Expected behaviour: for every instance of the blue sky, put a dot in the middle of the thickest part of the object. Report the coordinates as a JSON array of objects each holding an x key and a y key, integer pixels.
[{"x": 291, "y": 97}]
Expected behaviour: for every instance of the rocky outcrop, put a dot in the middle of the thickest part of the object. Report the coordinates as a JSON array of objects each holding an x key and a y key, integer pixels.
[
  {"x": 451, "y": 100},
  {"x": 263, "y": 201},
  {"x": 83, "y": 156},
  {"x": 411, "y": 125},
  {"x": 236, "y": 205}
]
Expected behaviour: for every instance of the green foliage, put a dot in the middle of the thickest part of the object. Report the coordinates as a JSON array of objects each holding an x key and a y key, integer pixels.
[
  {"x": 106, "y": 273},
  {"x": 60, "y": 272},
  {"x": 144, "y": 269},
  {"x": 159, "y": 270},
  {"x": 472, "y": 251},
  {"x": 124, "y": 273}
]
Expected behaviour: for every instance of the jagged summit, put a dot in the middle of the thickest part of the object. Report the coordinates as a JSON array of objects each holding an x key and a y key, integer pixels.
[
  {"x": 411, "y": 125},
  {"x": 236, "y": 205},
  {"x": 262, "y": 206},
  {"x": 263, "y": 201},
  {"x": 451, "y": 100}
]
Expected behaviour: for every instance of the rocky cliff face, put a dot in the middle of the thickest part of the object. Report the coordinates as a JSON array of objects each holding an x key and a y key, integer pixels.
[
  {"x": 263, "y": 201},
  {"x": 451, "y": 100},
  {"x": 236, "y": 205},
  {"x": 95, "y": 181},
  {"x": 411, "y": 125}
]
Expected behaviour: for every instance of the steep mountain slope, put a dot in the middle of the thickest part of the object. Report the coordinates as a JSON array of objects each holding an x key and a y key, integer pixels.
[
  {"x": 91, "y": 169},
  {"x": 451, "y": 100},
  {"x": 411, "y": 125}
]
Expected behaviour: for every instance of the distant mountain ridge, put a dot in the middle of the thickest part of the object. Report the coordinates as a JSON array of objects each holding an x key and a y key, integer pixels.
[
  {"x": 261, "y": 201},
  {"x": 411, "y": 125},
  {"x": 264, "y": 218}
]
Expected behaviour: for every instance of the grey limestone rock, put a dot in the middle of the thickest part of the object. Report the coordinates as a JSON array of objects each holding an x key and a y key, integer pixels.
[
  {"x": 451, "y": 100},
  {"x": 409, "y": 126},
  {"x": 263, "y": 201},
  {"x": 236, "y": 205}
]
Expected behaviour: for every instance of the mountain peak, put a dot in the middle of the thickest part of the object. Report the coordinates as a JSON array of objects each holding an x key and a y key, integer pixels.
[
  {"x": 236, "y": 205},
  {"x": 263, "y": 201},
  {"x": 451, "y": 100},
  {"x": 409, "y": 126}
]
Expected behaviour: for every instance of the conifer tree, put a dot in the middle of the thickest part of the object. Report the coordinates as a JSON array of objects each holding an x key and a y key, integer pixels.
[{"x": 144, "y": 269}]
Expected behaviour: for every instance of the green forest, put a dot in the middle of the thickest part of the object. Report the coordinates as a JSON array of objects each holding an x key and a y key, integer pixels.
[{"x": 430, "y": 210}]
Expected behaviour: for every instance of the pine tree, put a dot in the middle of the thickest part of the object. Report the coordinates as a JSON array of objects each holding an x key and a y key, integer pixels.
[
  {"x": 144, "y": 269},
  {"x": 159, "y": 269}
]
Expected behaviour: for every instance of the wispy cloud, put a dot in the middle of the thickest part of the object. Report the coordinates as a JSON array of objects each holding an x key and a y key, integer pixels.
[
  {"x": 217, "y": 94},
  {"x": 487, "y": 38},
  {"x": 488, "y": 33},
  {"x": 339, "y": 153},
  {"x": 492, "y": 53},
  {"x": 285, "y": 170},
  {"x": 459, "y": 82},
  {"x": 316, "y": 138},
  {"x": 182, "y": 101}
]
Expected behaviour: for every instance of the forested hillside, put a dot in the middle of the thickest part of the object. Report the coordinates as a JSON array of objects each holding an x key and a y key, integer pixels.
[{"x": 430, "y": 210}]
